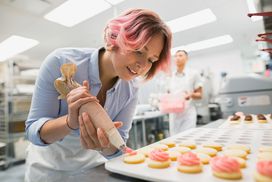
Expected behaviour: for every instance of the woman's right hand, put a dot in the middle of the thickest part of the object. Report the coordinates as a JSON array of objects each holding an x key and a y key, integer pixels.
[{"x": 75, "y": 99}]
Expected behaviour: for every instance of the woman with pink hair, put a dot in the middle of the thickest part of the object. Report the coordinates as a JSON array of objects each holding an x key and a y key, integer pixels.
[{"x": 64, "y": 143}]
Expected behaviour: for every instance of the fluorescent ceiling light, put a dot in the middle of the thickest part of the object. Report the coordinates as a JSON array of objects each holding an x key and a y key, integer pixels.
[
  {"x": 15, "y": 45},
  {"x": 217, "y": 41},
  {"x": 73, "y": 12},
  {"x": 114, "y": 2},
  {"x": 252, "y": 9},
  {"x": 192, "y": 20}
]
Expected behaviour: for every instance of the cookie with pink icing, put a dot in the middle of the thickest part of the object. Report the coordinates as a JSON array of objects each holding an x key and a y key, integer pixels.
[
  {"x": 133, "y": 157},
  {"x": 225, "y": 167},
  {"x": 130, "y": 151},
  {"x": 264, "y": 171},
  {"x": 189, "y": 163},
  {"x": 158, "y": 159}
]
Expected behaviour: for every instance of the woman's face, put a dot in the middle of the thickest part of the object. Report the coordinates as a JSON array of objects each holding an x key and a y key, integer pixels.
[{"x": 132, "y": 64}]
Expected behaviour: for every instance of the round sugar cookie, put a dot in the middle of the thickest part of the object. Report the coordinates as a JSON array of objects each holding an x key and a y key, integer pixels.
[
  {"x": 239, "y": 147},
  {"x": 188, "y": 143},
  {"x": 266, "y": 156},
  {"x": 134, "y": 159},
  {"x": 169, "y": 143},
  {"x": 235, "y": 153},
  {"x": 182, "y": 150},
  {"x": 204, "y": 158},
  {"x": 145, "y": 150},
  {"x": 209, "y": 151},
  {"x": 173, "y": 154},
  {"x": 265, "y": 148},
  {"x": 216, "y": 146},
  {"x": 159, "y": 146}
]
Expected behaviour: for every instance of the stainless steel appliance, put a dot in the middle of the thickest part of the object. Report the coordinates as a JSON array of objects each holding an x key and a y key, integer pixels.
[{"x": 248, "y": 94}]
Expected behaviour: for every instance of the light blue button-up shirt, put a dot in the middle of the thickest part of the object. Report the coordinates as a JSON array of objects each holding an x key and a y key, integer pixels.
[{"x": 120, "y": 102}]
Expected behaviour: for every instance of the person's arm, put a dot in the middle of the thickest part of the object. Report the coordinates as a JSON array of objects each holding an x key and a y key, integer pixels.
[
  {"x": 198, "y": 87},
  {"x": 44, "y": 124},
  {"x": 57, "y": 129},
  {"x": 197, "y": 93},
  {"x": 45, "y": 104},
  {"x": 54, "y": 130}
]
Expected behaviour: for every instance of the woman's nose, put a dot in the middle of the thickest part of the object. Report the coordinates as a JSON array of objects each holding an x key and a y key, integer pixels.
[{"x": 141, "y": 64}]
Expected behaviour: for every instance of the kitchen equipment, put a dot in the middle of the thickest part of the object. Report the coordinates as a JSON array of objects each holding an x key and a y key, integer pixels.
[{"x": 248, "y": 94}]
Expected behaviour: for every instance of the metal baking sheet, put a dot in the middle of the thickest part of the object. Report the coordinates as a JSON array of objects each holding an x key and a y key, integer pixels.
[{"x": 252, "y": 138}]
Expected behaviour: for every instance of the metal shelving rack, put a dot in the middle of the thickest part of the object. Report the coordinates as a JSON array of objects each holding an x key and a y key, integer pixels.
[
  {"x": 13, "y": 110},
  {"x": 4, "y": 118}
]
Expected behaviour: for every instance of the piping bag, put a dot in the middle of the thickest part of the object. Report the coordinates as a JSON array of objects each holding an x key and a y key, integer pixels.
[{"x": 97, "y": 114}]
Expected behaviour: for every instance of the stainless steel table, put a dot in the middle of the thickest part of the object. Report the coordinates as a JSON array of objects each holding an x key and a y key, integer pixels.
[{"x": 142, "y": 118}]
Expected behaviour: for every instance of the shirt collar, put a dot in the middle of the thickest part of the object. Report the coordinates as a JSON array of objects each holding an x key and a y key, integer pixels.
[
  {"x": 184, "y": 72},
  {"x": 94, "y": 67},
  {"x": 94, "y": 74}
]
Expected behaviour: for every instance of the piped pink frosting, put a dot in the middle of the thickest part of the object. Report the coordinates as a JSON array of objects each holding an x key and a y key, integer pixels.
[
  {"x": 225, "y": 164},
  {"x": 129, "y": 151},
  {"x": 159, "y": 155},
  {"x": 265, "y": 168},
  {"x": 189, "y": 159}
]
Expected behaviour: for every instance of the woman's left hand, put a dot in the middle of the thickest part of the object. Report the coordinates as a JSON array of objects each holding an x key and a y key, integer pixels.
[{"x": 92, "y": 138}]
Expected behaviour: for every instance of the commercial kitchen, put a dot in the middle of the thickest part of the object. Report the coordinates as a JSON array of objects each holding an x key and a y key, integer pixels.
[{"x": 91, "y": 91}]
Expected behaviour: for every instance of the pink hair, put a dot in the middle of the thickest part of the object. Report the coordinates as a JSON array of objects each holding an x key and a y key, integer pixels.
[{"x": 133, "y": 29}]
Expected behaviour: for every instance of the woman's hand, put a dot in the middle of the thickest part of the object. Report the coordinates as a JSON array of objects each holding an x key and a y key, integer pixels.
[
  {"x": 75, "y": 99},
  {"x": 92, "y": 138}
]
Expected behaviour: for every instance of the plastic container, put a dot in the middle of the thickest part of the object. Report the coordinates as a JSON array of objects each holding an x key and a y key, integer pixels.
[{"x": 172, "y": 103}]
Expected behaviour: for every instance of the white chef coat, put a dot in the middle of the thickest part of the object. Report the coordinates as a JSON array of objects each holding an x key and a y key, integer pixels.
[{"x": 187, "y": 81}]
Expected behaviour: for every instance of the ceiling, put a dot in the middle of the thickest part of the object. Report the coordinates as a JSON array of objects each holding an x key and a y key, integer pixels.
[{"x": 25, "y": 18}]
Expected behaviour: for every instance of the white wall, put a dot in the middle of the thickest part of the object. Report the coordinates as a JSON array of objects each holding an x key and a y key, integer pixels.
[
  {"x": 225, "y": 61},
  {"x": 229, "y": 61}
]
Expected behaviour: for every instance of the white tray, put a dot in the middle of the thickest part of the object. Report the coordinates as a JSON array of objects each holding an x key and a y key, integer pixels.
[
  {"x": 243, "y": 125},
  {"x": 252, "y": 138}
]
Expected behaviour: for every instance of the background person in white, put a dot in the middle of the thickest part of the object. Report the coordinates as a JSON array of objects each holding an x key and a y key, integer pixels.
[{"x": 187, "y": 81}]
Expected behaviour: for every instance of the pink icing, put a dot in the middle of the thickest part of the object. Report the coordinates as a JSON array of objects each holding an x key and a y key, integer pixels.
[
  {"x": 225, "y": 164},
  {"x": 189, "y": 159},
  {"x": 265, "y": 168},
  {"x": 130, "y": 151},
  {"x": 159, "y": 155}
]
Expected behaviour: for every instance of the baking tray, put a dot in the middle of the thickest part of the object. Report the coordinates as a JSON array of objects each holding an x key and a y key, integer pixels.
[
  {"x": 252, "y": 138},
  {"x": 243, "y": 125}
]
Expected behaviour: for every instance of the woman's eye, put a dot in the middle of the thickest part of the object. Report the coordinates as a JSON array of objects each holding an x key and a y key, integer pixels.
[{"x": 139, "y": 52}]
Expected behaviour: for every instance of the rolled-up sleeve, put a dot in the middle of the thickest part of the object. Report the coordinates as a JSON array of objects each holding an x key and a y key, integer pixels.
[
  {"x": 197, "y": 81},
  {"x": 45, "y": 104}
]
